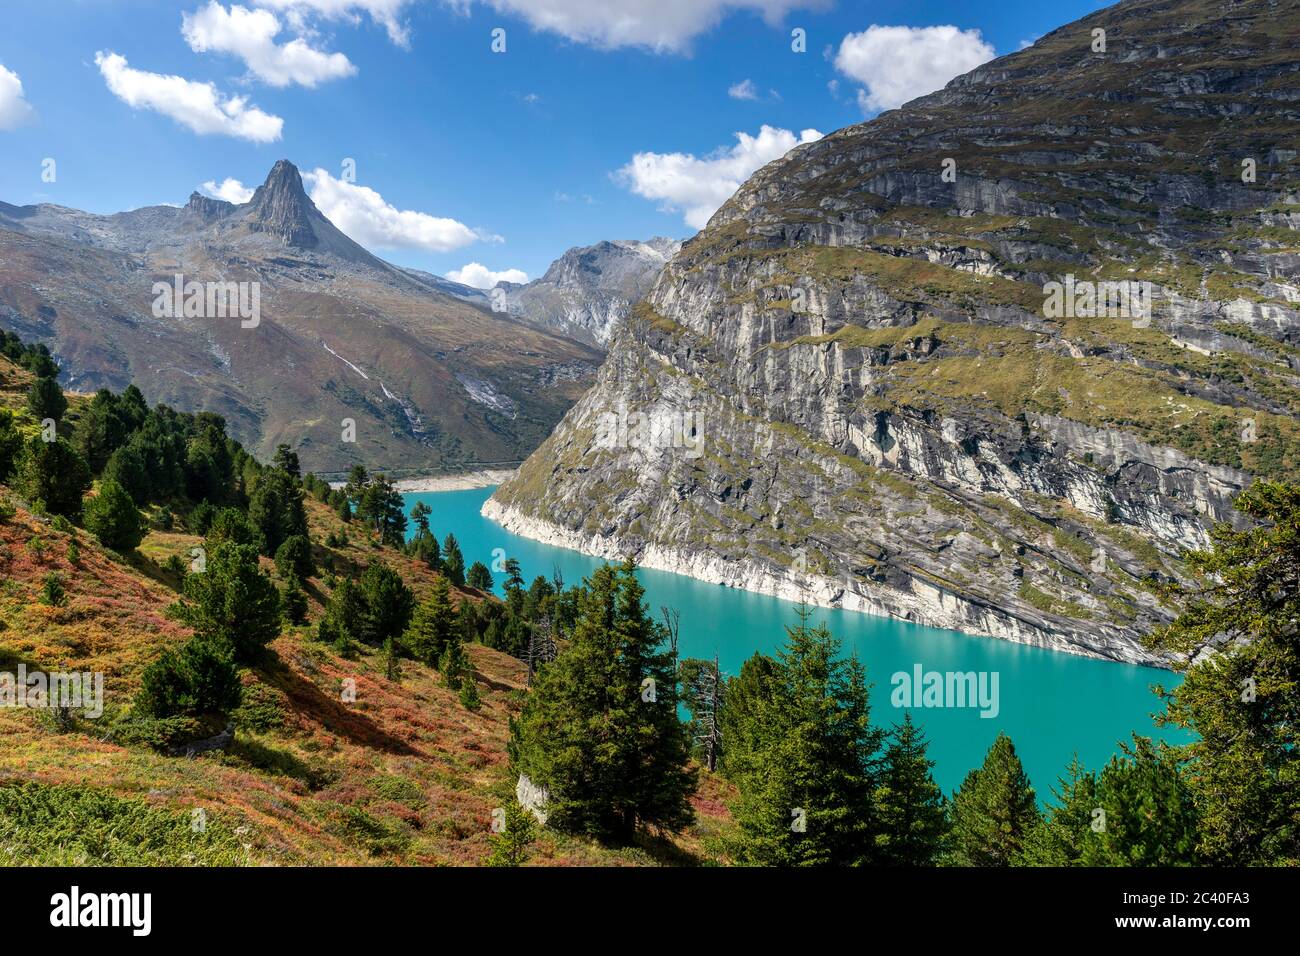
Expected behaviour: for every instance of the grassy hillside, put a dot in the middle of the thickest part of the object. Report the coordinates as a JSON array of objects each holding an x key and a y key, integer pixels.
[{"x": 405, "y": 774}]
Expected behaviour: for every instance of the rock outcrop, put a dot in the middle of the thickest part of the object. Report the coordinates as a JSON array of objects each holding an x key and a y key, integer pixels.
[{"x": 860, "y": 386}]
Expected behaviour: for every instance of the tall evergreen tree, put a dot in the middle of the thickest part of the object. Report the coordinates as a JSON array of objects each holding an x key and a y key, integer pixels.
[
  {"x": 809, "y": 768},
  {"x": 913, "y": 819},
  {"x": 432, "y": 625},
  {"x": 479, "y": 577},
  {"x": 45, "y": 399},
  {"x": 276, "y": 507},
  {"x": 993, "y": 812},
  {"x": 388, "y": 602},
  {"x": 599, "y": 729},
  {"x": 1241, "y": 702},
  {"x": 453, "y": 562}
]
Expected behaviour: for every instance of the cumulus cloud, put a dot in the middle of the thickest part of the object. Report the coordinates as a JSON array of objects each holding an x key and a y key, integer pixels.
[
  {"x": 250, "y": 35},
  {"x": 197, "y": 106},
  {"x": 744, "y": 90},
  {"x": 481, "y": 277},
  {"x": 364, "y": 215},
  {"x": 387, "y": 13},
  {"x": 14, "y": 108},
  {"x": 666, "y": 26},
  {"x": 698, "y": 186},
  {"x": 231, "y": 190},
  {"x": 897, "y": 64}
]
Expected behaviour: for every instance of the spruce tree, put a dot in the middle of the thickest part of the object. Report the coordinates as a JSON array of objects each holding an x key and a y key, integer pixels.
[
  {"x": 993, "y": 812},
  {"x": 1240, "y": 700},
  {"x": 432, "y": 625},
  {"x": 808, "y": 770},
  {"x": 510, "y": 846},
  {"x": 913, "y": 819},
  {"x": 479, "y": 577},
  {"x": 388, "y": 602},
  {"x": 453, "y": 562},
  {"x": 599, "y": 728},
  {"x": 1060, "y": 836}
]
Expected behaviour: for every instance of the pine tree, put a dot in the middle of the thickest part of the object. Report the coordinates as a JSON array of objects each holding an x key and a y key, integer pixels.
[
  {"x": 388, "y": 604},
  {"x": 113, "y": 517},
  {"x": 1149, "y": 817},
  {"x": 453, "y": 562},
  {"x": 1060, "y": 836},
  {"x": 432, "y": 625},
  {"x": 703, "y": 692},
  {"x": 479, "y": 577},
  {"x": 993, "y": 812},
  {"x": 600, "y": 729},
  {"x": 233, "y": 601},
  {"x": 454, "y": 665},
  {"x": 510, "y": 846},
  {"x": 1240, "y": 702},
  {"x": 913, "y": 818},
  {"x": 53, "y": 474},
  {"x": 808, "y": 772},
  {"x": 45, "y": 399}
]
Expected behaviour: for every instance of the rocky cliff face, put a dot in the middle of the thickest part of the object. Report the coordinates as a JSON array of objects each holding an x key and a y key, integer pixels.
[
  {"x": 428, "y": 380},
  {"x": 858, "y": 384}
]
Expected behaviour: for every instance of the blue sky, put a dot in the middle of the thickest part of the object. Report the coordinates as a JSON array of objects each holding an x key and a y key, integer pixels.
[{"x": 464, "y": 155}]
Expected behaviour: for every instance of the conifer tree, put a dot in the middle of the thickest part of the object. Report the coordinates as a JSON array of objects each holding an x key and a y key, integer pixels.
[
  {"x": 479, "y": 577},
  {"x": 53, "y": 474},
  {"x": 1240, "y": 702},
  {"x": 913, "y": 818},
  {"x": 510, "y": 846},
  {"x": 232, "y": 601},
  {"x": 600, "y": 729},
  {"x": 113, "y": 517},
  {"x": 808, "y": 771},
  {"x": 993, "y": 812},
  {"x": 45, "y": 399},
  {"x": 453, "y": 562},
  {"x": 432, "y": 625}
]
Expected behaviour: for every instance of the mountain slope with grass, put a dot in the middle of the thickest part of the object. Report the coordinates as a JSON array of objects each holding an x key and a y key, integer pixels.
[
  {"x": 397, "y": 769},
  {"x": 854, "y": 385}
]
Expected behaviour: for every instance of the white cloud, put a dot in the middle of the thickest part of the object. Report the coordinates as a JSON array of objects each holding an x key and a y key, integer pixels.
[
  {"x": 387, "y": 13},
  {"x": 666, "y": 26},
  {"x": 897, "y": 64},
  {"x": 198, "y": 106},
  {"x": 744, "y": 90},
  {"x": 481, "y": 277},
  {"x": 364, "y": 215},
  {"x": 14, "y": 109},
  {"x": 698, "y": 186},
  {"x": 231, "y": 190},
  {"x": 250, "y": 35}
]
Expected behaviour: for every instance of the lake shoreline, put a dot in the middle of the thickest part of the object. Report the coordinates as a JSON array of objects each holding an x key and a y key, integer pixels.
[{"x": 460, "y": 481}]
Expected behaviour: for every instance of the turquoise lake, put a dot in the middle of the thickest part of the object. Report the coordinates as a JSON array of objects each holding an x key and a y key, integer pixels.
[{"x": 1053, "y": 705}]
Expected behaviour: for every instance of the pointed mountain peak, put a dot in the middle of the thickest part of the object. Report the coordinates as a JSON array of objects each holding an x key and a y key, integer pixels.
[{"x": 280, "y": 206}]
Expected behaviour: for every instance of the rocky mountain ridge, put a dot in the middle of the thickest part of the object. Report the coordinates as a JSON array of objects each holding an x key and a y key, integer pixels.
[
  {"x": 851, "y": 388},
  {"x": 428, "y": 381}
]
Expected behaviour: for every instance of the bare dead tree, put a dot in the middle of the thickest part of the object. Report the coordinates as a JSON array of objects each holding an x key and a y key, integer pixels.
[
  {"x": 673, "y": 625},
  {"x": 705, "y": 699},
  {"x": 541, "y": 646}
]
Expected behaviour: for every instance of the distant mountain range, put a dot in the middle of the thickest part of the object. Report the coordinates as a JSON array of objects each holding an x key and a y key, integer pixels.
[
  {"x": 429, "y": 376},
  {"x": 584, "y": 293}
]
